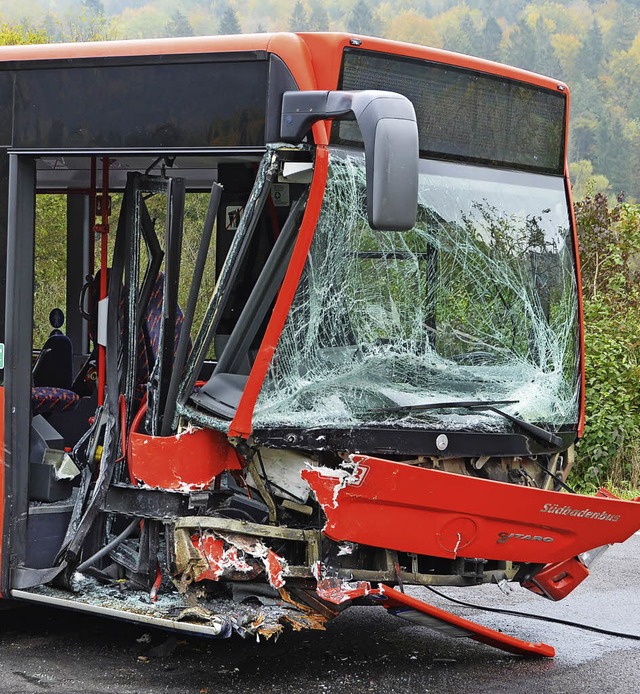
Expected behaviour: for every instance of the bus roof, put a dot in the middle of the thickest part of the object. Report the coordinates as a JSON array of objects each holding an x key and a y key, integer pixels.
[{"x": 322, "y": 51}]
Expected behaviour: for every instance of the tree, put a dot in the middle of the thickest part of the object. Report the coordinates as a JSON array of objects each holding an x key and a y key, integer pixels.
[
  {"x": 17, "y": 35},
  {"x": 90, "y": 24},
  {"x": 592, "y": 52},
  {"x": 511, "y": 10},
  {"x": 299, "y": 21},
  {"x": 463, "y": 36},
  {"x": 609, "y": 236},
  {"x": 96, "y": 7},
  {"x": 144, "y": 22},
  {"x": 567, "y": 48},
  {"x": 521, "y": 49},
  {"x": 51, "y": 27},
  {"x": 178, "y": 25},
  {"x": 584, "y": 135},
  {"x": 319, "y": 20},
  {"x": 546, "y": 60},
  {"x": 626, "y": 24},
  {"x": 584, "y": 182},
  {"x": 361, "y": 20},
  {"x": 414, "y": 28},
  {"x": 229, "y": 23},
  {"x": 613, "y": 154},
  {"x": 490, "y": 39}
]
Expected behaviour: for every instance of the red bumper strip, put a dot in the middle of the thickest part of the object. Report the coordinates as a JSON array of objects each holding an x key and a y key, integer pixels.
[{"x": 477, "y": 632}]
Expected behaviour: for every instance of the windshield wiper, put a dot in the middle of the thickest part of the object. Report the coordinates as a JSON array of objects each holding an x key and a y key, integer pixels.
[
  {"x": 465, "y": 404},
  {"x": 533, "y": 430}
]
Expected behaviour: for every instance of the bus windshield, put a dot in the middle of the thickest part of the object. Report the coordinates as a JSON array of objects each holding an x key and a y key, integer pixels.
[{"x": 477, "y": 302}]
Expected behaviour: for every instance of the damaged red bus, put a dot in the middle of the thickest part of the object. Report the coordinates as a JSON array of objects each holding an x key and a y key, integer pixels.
[{"x": 321, "y": 335}]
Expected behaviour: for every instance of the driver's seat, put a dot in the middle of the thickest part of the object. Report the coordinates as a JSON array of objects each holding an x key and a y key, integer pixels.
[
  {"x": 53, "y": 377},
  {"x": 54, "y": 366}
]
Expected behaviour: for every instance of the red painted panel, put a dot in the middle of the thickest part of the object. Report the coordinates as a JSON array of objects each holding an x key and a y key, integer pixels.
[
  {"x": 190, "y": 460},
  {"x": 1, "y": 472},
  {"x": 242, "y": 422},
  {"x": 411, "y": 509},
  {"x": 556, "y": 581},
  {"x": 223, "y": 562},
  {"x": 2, "y": 441},
  {"x": 419, "y": 612},
  {"x": 409, "y": 608}
]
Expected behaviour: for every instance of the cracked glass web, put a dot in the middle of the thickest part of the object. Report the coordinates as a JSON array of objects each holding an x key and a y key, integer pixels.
[{"x": 477, "y": 302}]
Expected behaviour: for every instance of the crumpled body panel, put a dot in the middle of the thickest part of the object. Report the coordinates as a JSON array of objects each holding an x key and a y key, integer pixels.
[{"x": 410, "y": 509}]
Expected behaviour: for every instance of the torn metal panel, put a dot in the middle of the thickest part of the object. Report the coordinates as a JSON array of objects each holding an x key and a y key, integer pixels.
[
  {"x": 304, "y": 617},
  {"x": 190, "y": 562},
  {"x": 223, "y": 561},
  {"x": 221, "y": 525},
  {"x": 440, "y": 514},
  {"x": 338, "y": 591},
  {"x": 205, "y": 556},
  {"x": 208, "y": 555},
  {"x": 349, "y": 474},
  {"x": 275, "y": 567},
  {"x": 187, "y": 461}
]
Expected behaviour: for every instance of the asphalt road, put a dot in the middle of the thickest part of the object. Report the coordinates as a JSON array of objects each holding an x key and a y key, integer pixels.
[{"x": 365, "y": 650}]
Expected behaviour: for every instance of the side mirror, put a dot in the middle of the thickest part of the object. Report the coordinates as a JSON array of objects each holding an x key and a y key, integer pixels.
[{"x": 389, "y": 130}]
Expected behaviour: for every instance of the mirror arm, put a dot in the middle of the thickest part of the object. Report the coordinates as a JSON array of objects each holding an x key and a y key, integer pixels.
[{"x": 389, "y": 130}]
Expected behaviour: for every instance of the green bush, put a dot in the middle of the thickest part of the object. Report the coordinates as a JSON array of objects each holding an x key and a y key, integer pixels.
[{"x": 609, "y": 237}]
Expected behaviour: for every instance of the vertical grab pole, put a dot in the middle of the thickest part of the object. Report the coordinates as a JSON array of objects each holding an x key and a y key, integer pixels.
[
  {"x": 92, "y": 216},
  {"x": 103, "y": 230}
]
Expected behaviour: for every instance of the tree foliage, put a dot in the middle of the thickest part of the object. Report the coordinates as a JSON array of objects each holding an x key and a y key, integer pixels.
[
  {"x": 178, "y": 25},
  {"x": 319, "y": 19},
  {"x": 610, "y": 247},
  {"x": 16, "y": 35},
  {"x": 361, "y": 19},
  {"x": 229, "y": 22},
  {"x": 299, "y": 20}
]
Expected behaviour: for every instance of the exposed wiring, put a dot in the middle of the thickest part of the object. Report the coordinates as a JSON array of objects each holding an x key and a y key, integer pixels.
[{"x": 540, "y": 617}]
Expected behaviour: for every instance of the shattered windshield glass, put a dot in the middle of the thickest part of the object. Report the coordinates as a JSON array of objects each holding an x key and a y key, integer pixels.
[{"x": 477, "y": 302}]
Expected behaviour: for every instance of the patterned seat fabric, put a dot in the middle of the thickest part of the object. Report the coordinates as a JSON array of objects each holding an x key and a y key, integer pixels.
[
  {"x": 48, "y": 399},
  {"x": 153, "y": 319},
  {"x": 149, "y": 341},
  {"x": 52, "y": 377}
]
